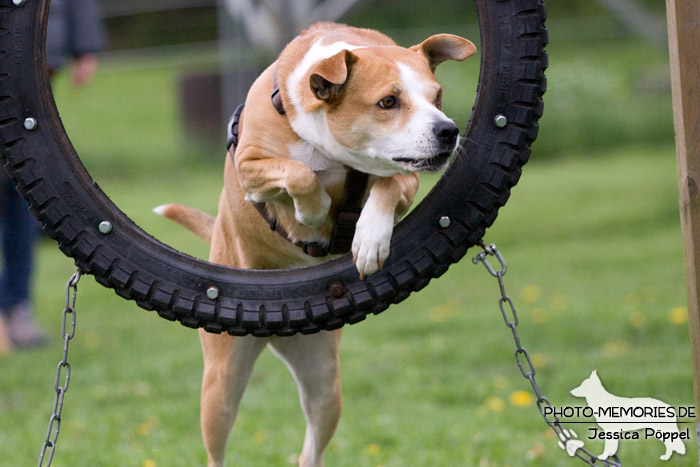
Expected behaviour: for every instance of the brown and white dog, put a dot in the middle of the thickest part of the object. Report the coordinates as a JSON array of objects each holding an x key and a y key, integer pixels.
[{"x": 352, "y": 99}]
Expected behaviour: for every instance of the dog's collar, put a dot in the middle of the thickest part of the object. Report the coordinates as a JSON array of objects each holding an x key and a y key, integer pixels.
[
  {"x": 346, "y": 217},
  {"x": 276, "y": 96}
]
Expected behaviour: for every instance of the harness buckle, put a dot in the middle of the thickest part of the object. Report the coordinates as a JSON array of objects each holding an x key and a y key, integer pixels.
[{"x": 232, "y": 128}]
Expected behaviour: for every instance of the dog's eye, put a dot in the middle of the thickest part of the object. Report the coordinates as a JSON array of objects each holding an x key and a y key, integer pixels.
[
  {"x": 438, "y": 101},
  {"x": 389, "y": 102}
]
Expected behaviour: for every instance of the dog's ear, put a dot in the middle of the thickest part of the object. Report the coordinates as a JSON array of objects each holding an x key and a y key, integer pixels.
[
  {"x": 328, "y": 77},
  {"x": 442, "y": 47}
]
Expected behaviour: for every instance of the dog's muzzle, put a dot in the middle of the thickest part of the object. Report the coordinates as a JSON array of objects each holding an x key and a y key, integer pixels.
[
  {"x": 446, "y": 138},
  {"x": 427, "y": 164},
  {"x": 446, "y": 133}
]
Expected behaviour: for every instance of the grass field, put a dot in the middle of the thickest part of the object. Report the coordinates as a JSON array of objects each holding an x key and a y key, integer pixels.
[{"x": 593, "y": 246}]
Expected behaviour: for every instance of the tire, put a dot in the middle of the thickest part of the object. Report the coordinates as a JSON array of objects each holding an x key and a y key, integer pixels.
[{"x": 71, "y": 207}]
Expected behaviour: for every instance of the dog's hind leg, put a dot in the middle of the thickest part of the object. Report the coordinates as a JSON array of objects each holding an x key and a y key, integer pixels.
[
  {"x": 609, "y": 449},
  {"x": 228, "y": 363},
  {"x": 314, "y": 362},
  {"x": 672, "y": 446}
]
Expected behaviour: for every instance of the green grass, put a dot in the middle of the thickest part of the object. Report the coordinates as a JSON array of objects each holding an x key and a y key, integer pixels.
[{"x": 595, "y": 268}]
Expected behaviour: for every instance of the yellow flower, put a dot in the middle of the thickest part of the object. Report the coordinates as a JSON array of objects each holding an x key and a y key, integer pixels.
[
  {"x": 539, "y": 360},
  {"x": 147, "y": 427},
  {"x": 148, "y": 463},
  {"x": 678, "y": 315},
  {"x": 260, "y": 437},
  {"x": 536, "y": 451},
  {"x": 372, "y": 449},
  {"x": 531, "y": 294},
  {"x": 521, "y": 398},
  {"x": 558, "y": 302},
  {"x": 637, "y": 319},
  {"x": 615, "y": 348},
  {"x": 444, "y": 311},
  {"x": 495, "y": 404},
  {"x": 539, "y": 316}
]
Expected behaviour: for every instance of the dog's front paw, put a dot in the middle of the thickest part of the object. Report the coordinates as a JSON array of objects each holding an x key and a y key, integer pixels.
[
  {"x": 314, "y": 215},
  {"x": 370, "y": 245}
]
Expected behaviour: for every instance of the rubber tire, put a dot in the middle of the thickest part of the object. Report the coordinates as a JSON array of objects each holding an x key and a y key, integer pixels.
[{"x": 71, "y": 206}]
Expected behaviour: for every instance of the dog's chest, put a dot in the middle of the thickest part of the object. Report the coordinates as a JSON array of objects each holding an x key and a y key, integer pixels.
[{"x": 329, "y": 172}]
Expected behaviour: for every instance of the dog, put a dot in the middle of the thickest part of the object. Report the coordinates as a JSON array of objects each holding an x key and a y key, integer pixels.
[
  {"x": 344, "y": 101},
  {"x": 646, "y": 413}
]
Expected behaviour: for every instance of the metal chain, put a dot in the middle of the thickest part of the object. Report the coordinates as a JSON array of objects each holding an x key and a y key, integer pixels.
[
  {"x": 567, "y": 438},
  {"x": 67, "y": 333}
]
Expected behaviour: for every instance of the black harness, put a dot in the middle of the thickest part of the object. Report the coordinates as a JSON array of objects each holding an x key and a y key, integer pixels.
[{"x": 348, "y": 211}]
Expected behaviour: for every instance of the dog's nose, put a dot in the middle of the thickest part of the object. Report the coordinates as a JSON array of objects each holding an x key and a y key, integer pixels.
[{"x": 446, "y": 132}]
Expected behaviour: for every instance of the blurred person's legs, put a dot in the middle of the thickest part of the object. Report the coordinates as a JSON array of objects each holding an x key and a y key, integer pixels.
[{"x": 18, "y": 230}]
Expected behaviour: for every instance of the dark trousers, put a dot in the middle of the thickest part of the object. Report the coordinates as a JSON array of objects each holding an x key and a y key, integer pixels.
[{"x": 18, "y": 231}]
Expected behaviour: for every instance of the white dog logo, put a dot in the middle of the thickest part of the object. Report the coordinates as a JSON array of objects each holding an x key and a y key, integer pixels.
[{"x": 620, "y": 417}]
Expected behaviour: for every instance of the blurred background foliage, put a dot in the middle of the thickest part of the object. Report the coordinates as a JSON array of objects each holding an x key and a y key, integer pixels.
[{"x": 609, "y": 83}]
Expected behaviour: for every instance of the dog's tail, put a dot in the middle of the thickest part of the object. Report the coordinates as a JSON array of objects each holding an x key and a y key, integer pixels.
[{"x": 200, "y": 223}]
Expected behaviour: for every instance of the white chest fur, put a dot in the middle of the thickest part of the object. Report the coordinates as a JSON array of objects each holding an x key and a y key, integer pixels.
[{"x": 329, "y": 171}]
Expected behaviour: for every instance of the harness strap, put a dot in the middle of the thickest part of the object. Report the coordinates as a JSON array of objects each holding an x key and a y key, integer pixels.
[
  {"x": 348, "y": 212},
  {"x": 315, "y": 249}
]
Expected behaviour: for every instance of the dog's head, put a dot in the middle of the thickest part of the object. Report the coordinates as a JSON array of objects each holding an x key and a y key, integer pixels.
[
  {"x": 588, "y": 386},
  {"x": 378, "y": 109}
]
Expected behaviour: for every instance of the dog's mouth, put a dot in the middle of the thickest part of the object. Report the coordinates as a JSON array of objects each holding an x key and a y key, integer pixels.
[{"x": 429, "y": 164}]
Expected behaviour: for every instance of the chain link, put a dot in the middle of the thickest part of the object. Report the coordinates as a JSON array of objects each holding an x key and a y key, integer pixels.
[
  {"x": 63, "y": 371},
  {"x": 567, "y": 438}
]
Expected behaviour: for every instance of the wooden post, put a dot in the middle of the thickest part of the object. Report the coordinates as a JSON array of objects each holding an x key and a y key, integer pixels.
[{"x": 684, "y": 45}]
